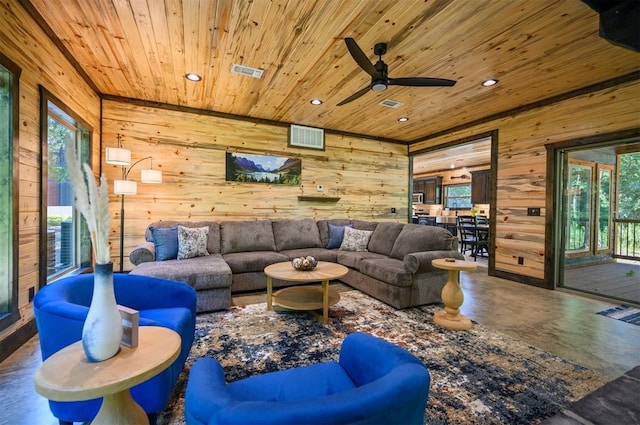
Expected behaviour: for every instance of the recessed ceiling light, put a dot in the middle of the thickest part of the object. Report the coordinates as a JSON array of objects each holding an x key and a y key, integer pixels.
[
  {"x": 490, "y": 82},
  {"x": 316, "y": 102},
  {"x": 403, "y": 119},
  {"x": 192, "y": 76}
]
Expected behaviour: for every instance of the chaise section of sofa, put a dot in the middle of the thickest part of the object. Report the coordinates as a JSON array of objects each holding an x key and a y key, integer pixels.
[
  {"x": 209, "y": 275},
  {"x": 397, "y": 269},
  {"x": 394, "y": 266}
]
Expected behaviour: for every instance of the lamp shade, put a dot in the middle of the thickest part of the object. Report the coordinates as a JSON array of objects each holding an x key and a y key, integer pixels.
[
  {"x": 151, "y": 176},
  {"x": 118, "y": 156},
  {"x": 125, "y": 187}
]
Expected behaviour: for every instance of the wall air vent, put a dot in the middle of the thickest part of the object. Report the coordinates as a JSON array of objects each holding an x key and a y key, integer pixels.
[
  {"x": 391, "y": 103},
  {"x": 306, "y": 137},
  {"x": 247, "y": 71}
]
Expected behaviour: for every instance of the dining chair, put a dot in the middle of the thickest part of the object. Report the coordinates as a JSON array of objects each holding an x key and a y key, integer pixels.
[
  {"x": 482, "y": 219},
  {"x": 468, "y": 233},
  {"x": 482, "y": 235}
]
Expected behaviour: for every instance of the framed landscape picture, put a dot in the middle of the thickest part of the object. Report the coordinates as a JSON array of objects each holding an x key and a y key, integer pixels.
[{"x": 251, "y": 168}]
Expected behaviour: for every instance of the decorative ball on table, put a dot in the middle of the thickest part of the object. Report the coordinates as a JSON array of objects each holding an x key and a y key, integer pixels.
[{"x": 304, "y": 263}]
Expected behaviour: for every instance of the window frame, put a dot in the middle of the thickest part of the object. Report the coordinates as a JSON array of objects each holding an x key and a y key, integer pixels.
[
  {"x": 47, "y": 97},
  {"x": 445, "y": 202},
  {"x": 14, "y": 315}
]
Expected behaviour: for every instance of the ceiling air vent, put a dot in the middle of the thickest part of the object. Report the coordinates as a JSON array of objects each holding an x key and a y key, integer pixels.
[
  {"x": 247, "y": 71},
  {"x": 306, "y": 137},
  {"x": 391, "y": 103}
]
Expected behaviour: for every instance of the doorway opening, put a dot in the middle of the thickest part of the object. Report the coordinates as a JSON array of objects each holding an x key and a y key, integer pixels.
[
  {"x": 598, "y": 216},
  {"x": 457, "y": 179}
]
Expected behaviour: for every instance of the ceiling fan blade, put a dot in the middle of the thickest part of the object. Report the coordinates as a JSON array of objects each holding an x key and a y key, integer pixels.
[
  {"x": 420, "y": 82},
  {"x": 355, "y": 96},
  {"x": 360, "y": 57}
]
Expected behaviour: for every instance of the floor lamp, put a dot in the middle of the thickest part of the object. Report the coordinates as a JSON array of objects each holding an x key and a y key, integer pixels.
[{"x": 122, "y": 157}]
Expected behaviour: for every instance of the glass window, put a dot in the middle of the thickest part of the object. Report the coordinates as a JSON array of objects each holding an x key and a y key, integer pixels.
[
  {"x": 67, "y": 238},
  {"x": 9, "y": 83},
  {"x": 458, "y": 196},
  {"x": 579, "y": 212}
]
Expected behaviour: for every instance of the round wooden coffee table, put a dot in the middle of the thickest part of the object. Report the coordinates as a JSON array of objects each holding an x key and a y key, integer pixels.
[
  {"x": 307, "y": 298},
  {"x": 68, "y": 376},
  {"x": 452, "y": 295}
]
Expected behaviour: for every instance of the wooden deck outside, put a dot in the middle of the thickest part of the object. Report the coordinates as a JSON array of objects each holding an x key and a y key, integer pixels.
[{"x": 618, "y": 280}]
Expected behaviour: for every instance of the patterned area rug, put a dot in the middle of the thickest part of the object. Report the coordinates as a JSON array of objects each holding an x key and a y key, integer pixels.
[
  {"x": 477, "y": 377},
  {"x": 624, "y": 313}
]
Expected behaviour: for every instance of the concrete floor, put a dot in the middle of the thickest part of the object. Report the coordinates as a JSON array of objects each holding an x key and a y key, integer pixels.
[{"x": 562, "y": 323}]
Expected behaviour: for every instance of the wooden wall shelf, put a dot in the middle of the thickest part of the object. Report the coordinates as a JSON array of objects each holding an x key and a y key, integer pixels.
[{"x": 318, "y": 198}]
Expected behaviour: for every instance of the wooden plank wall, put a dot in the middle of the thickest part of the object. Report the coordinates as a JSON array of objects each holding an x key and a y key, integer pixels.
[
  {"x": 370, "y": 177},
  {"x": 42, "y": 64},
  {"x": 521, "y": 175}
]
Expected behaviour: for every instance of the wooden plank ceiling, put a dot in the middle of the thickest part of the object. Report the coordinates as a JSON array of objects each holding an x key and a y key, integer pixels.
[{"x": 142, "y": 49}]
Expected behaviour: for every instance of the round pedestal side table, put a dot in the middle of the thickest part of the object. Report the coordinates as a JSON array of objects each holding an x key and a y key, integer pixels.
[
  {"x": 69, "y": 376},
  {"x": 452, "y": 295}
]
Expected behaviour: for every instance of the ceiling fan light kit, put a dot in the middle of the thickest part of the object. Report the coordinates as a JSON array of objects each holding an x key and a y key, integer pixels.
[{"x": 379, "y": 72}]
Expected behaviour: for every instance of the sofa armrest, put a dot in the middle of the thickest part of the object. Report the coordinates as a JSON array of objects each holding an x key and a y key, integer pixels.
[
  {"x": 421, "y": 261},
  {"x": 143, "y": 253}
]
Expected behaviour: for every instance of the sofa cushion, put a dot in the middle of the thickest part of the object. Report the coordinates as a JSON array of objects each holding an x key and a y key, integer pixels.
[
  {"x": 364, "y": 225},
  {"x": 213, "y": 240},
  {"x": 384, "y": 237},
  {"x": 355, "y": 240},
  {"x": 192, "y": 242},
  {"x": 165, "y": 242},
  {"x": 246, "y": 236},
  {"x": 388, "y": 270},
  {"x": 418, "y": 238},
  {"x": 256, "y": 261},
  {"x": 200, "y": 273},
  {"x": 295, "y": 234},
  {"x": 336, "y": 235},
  {"x": 320, "y": 254},
  {"x": 353, "y": 258}
]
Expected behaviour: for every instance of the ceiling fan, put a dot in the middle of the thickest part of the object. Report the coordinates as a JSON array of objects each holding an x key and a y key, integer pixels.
[{"x": 379, "y": 72}]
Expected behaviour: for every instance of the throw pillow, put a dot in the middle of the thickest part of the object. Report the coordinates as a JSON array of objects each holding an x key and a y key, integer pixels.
[
  {"x": 192, "y": 242},
  {"x": 165, "y": 242},
  {"x": 355, "y": 240},
  {"x": 336, "y": 234}
]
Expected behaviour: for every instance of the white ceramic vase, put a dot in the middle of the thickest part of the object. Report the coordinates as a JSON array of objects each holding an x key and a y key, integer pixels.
[{"x": 102, "y": 329}]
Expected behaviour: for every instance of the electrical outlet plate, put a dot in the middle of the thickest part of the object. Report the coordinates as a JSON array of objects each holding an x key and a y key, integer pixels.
[{"x": 533, "y": 211}]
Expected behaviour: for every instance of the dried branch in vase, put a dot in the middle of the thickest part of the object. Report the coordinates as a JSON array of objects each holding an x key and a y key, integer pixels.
[{"x": 93, "y": 203}]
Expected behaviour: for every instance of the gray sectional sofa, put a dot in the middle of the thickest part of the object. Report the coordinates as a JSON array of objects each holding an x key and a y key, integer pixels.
[{"x": 395, "y": 268}]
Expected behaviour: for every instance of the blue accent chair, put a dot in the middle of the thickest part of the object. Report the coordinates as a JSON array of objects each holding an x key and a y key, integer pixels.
[
  {"x": 374, "y": 382},
  {"x": 61, "y": 308}
]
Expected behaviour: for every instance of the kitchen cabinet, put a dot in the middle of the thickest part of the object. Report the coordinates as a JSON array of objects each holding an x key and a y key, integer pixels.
[
  {"x": 431, "y": 189},
  {"x": 480, "y": 186}
]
